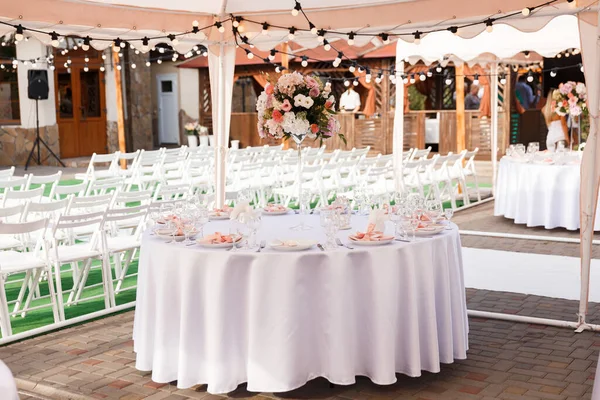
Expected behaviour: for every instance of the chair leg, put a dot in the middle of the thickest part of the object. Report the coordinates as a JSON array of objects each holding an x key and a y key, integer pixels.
[
  {"x": 121, "y": 278},
  {"x": 117, "y": 261},
  {"x": 109, "y": 294},
  {"x": 59, "y": 292},
  {"x": 86, "y": 271},
  {"x": 36, "y": 283},
  {"x": 5, "y": 327},
  {"x": 24, "y": 286}
]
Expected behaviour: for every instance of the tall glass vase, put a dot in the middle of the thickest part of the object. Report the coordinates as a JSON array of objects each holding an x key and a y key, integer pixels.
[{"x": 302, "y": 226}]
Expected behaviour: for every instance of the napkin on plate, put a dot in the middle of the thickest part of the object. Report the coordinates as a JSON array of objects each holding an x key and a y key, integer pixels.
[
  {"x": 371, "y": 235},
  {"x": 378, "y": 217},
  {"x": 217, "y": 238},
  {"x": 242, "y": 212},
  {"x": 224, "y": 210},
  {"x": 285, "y": 243},
  {"x": 275, "y": 208}
]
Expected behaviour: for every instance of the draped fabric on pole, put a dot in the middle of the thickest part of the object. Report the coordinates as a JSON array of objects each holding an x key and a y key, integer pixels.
[
  {"x": 369, "y": 108},
  {"x": 398, "y": 138},
  {"x": 221, "y": 66},
  {"x": 416, "y": 70},
  {"x": 590, "y": 168},
  {"x": 261, "y": 79}
]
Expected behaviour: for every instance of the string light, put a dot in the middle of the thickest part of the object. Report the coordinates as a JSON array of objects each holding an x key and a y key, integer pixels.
[
  {"x": 54, "y": 39},
  {"x": 265, "y": 28},
  {"x": 145, "y": 44},
  {"x": 19, "y": 33},
  {"x": 346, "y": 83},
  {"x": 326, "y": 45},
  {"x": 489, "y": 25},
  {"x": 352, "y": 68},
  {"x": 351, "y": 39},
  {"x": 272, "y": 54},
  {"x": 313, "y": 28},
  {"x": 321, "y": 35},
  {"x": 119, "y": 67},
  {"x": 220, "y": 27},
  {"x": 438, "y": 69},
  {"x": 304, "y": 62},
  {"x": 379, "y": 78},
  {"x": 385, "y": 38},
  {"x": 117, "y": 42},
  {"x": 133, "y": 66},
  {"x": 502, "y": 79},
  {"x": 527, "y": 54},
  {"x": 529, "y": 77},
  {"x": 86, "y": 44},
  {"x": 236, "y": 21},
  {"x": 412, "y": 79},
  {"x": 526, "y": 11},
  {"x": 173, "y": 39},
  {"x": 404, "y": 79},
  {"x": 422, "y": 77},
  {"x": 291, "y": 35},
  {"x": 278, "y": 69},
  {"x": 86, "y": 68},
  {"x": 296, "y": 10},
  {"x": 581, "y": 67},
  {"x": 476, "y": 80},
  {"x": 553, "y": 73},
  {"x": 453, "y": 29},
  {"x": 104, "y": 56},
  {"x": 338, "y": 59},
  {"x": 429, "y": 73},
  {"x": 355, "y": 82},
  {"x": 249, "y": 54},
  {"x": 448, "y": 81},
  {"x": 417, "y": 36},
  {"x": 148, "y": 63},
  {"x": 102, "y": 69}
]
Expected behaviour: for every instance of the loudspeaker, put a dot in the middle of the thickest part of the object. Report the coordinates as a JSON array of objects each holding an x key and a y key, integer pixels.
[{"x": 37, "y": 88}]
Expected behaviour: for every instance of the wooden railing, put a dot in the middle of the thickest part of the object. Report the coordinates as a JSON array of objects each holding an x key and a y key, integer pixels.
[{"x": 377, "y": 132}]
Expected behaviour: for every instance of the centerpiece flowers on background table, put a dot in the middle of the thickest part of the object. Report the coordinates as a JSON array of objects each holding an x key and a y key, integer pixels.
[
  {"x": 570, "y": 99},
  {"x": 297, "y": 107}
]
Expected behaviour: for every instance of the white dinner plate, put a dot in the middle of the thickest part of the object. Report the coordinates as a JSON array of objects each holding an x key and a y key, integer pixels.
[
  {"x": 371, "y": 242},
  {"x": 282, "y": 212},
  {"x": 214, "y": 217},
  {"x": 217, "y": 245},
  {"x": 429, "y": 231},
  {"x": 345, "y": 228},
  {"x": 303, "y": 244},
  {"x": 165, "y": 234}
]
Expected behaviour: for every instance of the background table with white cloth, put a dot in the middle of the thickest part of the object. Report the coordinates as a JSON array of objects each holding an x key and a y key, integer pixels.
[
  {"x": 279, "y": 319},
  {"x": 539, "y": 194}
]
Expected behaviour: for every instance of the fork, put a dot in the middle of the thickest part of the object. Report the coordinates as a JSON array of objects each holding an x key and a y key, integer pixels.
[
  {"x": 339, "y": 243},
  {"x": 320, "y": 246},
  {"x": 261, "y": 246}
]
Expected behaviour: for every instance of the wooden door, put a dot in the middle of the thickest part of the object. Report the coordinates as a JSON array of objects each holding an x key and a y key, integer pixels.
[{"x": 80, "y": 111}]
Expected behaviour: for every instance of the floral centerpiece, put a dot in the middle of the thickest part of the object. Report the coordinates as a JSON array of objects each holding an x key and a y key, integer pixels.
[
  {"x": 297, "y": 106},
  {"x": 570, "y": 98},
  {"x": 192, "y": 128}
]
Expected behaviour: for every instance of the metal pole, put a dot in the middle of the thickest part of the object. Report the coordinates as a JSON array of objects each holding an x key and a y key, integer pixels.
[
  {"x": 398, "y": 138},
  {"x": 494, "y": 123}
]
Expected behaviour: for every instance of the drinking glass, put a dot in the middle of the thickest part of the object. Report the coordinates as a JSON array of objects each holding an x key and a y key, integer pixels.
[
  {"x": 305, "y": 206},
  {"x": 329, "y": 221},
  {"x": 253, "y": 223},
  {"x": 396, "y": 219},
  {"x": 359, "y": 199},
  {"x": 188, "y": 227},
  {"x": 202, "y": 219},
  {"x": 434, "y": 210},
  {"x": 448, "y": 213},
  {"x": 415, "y": 220}
]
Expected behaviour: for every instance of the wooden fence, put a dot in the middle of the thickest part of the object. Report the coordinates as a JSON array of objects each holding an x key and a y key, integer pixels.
[{"x": 378, "y": 132}]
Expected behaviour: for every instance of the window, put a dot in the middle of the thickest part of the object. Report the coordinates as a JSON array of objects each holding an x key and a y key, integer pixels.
[
  {"x": 166, "y": 86},
  {"x": 10, "y": 112}
]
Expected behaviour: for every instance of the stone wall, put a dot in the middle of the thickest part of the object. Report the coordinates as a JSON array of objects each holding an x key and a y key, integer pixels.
[
  {"x": 139, "y": 103},
  {"x": 112, "y": 136},
  {"x": 16, "y": 143}
]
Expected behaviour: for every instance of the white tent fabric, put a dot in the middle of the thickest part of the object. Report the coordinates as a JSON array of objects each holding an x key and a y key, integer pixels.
[
  {"x": 221, "y": 66},
  {"x": 590, "y": 167},
  {"x": 504, "y": 41}
]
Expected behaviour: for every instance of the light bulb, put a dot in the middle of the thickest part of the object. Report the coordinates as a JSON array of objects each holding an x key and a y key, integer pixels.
[
  {"x": 104, "y": 56},
  {"x": 161, "y": 50},
  {"x": 291, "y": 35},
  {"x": 195, "y": 23},
  {"x": 133, "y": 66},
  {"x": 327, "y": 46},
  {"x": 205, "y": 53},
  {"x": 530, "y": 78},
  {"x": 236, "y": 22},
  {"x": 102, "y": 69},
  {"x": 526, "y": 11},
  {"x": 241, "y": 28},
  {"x": 553, "y": 73},
  {"x": 417, "y": 35},
  {"x": 378, "y": 79},
  {"x": 347, "y": 83},
  {"x": 567, "y": 54},
  {"x": 438, "y": 69},
  {"x": 355, "y": 83},
  {"x": 148, "y": 63},
  {"x": 581, "y": 69},
  {"x": 175, "y": 42},
  {"x": 86, "y": 43},
  {"x": 422, "y": 77},
  {"x": 412, "y": 79},
  {"x": 503, "y": 80},
  {"x": 448, "y": 81},
  {"x": 19, "y": 33},
  {"x": 2, "y": 66},
  {"x": 352, "y": 68},
  {"x": 123, "y": 44},
  {"x": 54, "y": 42},
  {"x": 119, "y": 67},
  {"x": 249, "y": 54},
  {"x": 321, "y": 36},
  {"x": 559, "y": 55},
  {"x": 86, "y": 59},
  {"x": 404, "y": 79},
  {"x": 272, "y": 55},
  {"x": 265, "y": 28},
  {"x": 69, "y": 61},
  {"x": 429, "y": 74},
  {"x": 159, "y": 61},
  {"x": 173, "y": 59},
  {"x": 220, "y": 27},
  {"x": 385, "y": 37},
  {"x": 313, "y": 28},
  {"x": 489, "y": 25},
  {"x": 368, "y": 77},
  {"x": 351, "y": 39},
  {"x": 304, "y": 62},
  {"x": 52, "y": 68},
  {"x": 86, "y": 68},
  {"x": 69, "y": 70},
  {"x": 476, "y": 80},
  {"x": 296, "y": 10},
  {"x": 277, "y": 69}
]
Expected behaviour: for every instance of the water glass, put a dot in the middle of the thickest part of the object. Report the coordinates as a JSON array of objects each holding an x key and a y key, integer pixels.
[
  {"x": 449, "y": 213},
  {"x": 202, "y": 219},
  {"x": 330, "y": 223},
  {"x": 253, "y": 224},
  {"x": 305, "y": 205}
]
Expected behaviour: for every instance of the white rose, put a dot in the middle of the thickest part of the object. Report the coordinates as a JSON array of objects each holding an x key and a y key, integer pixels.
[
  {"x": 308, "y": 102},
  {"x": 299, "y": 100}
]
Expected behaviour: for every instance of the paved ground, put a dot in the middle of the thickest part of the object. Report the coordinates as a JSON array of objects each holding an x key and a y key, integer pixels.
[{"x": 506, "y": 360}]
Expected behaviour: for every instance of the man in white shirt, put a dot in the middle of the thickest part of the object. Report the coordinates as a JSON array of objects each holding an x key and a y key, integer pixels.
[{"x": 350, "y": 100}]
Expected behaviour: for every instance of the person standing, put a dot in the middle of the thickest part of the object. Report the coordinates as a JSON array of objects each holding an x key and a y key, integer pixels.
[
  {"x": 350, "y": 100},
  {"x": 557, "y": 126},
  {"x": 472, "y": 100},
  {"x": 524, "y": 93}
]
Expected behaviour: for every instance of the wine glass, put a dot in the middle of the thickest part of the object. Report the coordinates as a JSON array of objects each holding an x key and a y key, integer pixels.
[
  {"x": 253, "y": 224},
  {"x": 434, "y": 210},
  {"x": 305, "y": 205},
  {"x": 415, "y": 220},
  {"x": 202, "y": 219},
  {"x": 328, "y": 222},
  {"x": 188, "y": 225},
  {"x": 448, "y": 213},
  {"x": 396, "y": 219}
]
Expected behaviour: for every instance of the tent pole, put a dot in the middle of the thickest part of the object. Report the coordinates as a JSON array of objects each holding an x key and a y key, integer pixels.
[
  {"x": 460, "y": 144},
  {"x": 221, "y": 150},
  {"x": 398, "y": 138},
  {"x": 589, "y": 173},
  {"x": 494, "y": 124}
]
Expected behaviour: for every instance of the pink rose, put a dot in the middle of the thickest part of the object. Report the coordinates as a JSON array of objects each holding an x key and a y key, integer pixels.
[
  {"x": 269, "y": 89},
  {"x": 314, "y": 128},
  {"x": 286, "y": 105},
  {"x": 277, "y": 116},
  {"x": 314, "y": 92},
  {"x": 311, "y": 82}
]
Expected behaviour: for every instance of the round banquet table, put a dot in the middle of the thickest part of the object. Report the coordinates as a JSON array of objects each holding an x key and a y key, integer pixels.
[
  {"x": 279, "y": 319},
  {"x": 539, "y": 194}
]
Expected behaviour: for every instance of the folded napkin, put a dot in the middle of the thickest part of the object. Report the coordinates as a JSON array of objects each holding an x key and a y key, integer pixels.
[
  {"x": 275, "y": 208},
  {"x": 218, "y": 238},
  {"x": 285, "y": 243},
  {"x": 242, "y": 212},
  {"x": 371, "y": 235},
  {"x": 167, "y": 218},
  {"x": 377, "y": 218}
]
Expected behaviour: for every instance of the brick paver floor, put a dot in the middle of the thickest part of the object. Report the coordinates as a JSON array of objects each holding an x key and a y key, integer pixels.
[{"x": 506, "y": 360}]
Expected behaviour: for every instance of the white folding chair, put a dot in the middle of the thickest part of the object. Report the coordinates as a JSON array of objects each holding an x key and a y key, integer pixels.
[
  {"x": 33, "y": 264},
  {"x": 171, "y": 192},
  {"x": 420, "y": 154},
  {"x": 122, "y": 244},
  {"x": 12, "y": 197},
  {"x": 71, "y": 252},
  {"x": 51, "y": 181},
  {"x": 7, "y": 174},
  {"x": 19, "y": 183},
  {"x": 77, "y": 190},
  {"x": 94, "y": 170},
  {"x": 470, "y": 171},
  {"x": 104, "y": 186},
  {"x": 12, "y": 215}
]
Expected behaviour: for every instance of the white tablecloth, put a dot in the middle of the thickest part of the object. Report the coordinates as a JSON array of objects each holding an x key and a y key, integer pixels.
[
  {"x": 539, "y": 195},
  {"x": 277, "y": 320}
]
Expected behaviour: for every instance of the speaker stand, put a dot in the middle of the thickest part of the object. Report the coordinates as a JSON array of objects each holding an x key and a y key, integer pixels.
[{"x": 39, "y": 141}]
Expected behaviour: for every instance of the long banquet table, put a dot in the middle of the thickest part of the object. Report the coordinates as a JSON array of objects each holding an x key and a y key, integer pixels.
[
  {"x": 539, "y": 194},
  {"x": 279, "y": 319}
]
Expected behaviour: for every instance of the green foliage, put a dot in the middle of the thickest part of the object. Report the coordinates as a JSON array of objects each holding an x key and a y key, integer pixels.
[{"x": 416, "y": 100}]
